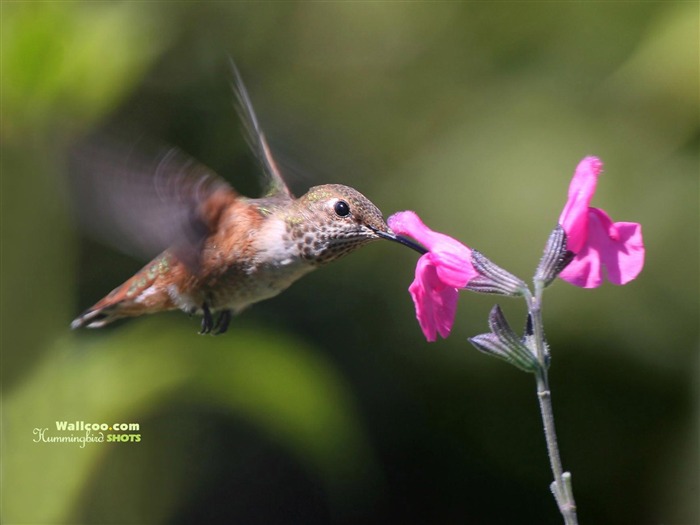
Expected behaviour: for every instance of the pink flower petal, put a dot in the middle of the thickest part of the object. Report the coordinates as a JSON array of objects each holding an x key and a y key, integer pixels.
[
  {"x": 408, "y": 223},
  {"x": 439, "y": 274},
  {"x": 451, "y": 258},
  {"x": 602, "y": 249},
  {"x": 613, "y": 249},
  {"x": 574, "y": 216},
  {"x": 436, "y": 303}
]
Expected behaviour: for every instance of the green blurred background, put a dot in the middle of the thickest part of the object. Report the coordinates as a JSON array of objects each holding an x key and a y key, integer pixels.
[{"x": 325, "y": 404}]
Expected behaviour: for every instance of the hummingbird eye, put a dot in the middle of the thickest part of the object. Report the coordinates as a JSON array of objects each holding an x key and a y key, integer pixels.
[{"x": 342, "y": 208}]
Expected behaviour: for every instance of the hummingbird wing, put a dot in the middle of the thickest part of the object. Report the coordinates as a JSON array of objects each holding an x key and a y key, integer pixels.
[
  {"x": 256, "y": 138},
  {"x": 143, "y": 204}
]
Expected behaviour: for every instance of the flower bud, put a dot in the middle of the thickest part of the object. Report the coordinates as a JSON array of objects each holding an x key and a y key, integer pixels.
[
  {"x": 555, "y": 257},
  {"x": 504, "y": 344},
  {"x": 492, "y": 278}
]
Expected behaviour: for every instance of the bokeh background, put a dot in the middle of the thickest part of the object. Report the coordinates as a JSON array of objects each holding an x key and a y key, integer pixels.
[{"x": 325, "y": 404}]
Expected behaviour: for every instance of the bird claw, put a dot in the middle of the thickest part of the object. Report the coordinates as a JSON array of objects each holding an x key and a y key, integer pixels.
[
  {"x": 215, "y": 328},
  {"x": 222, "y": 322},
  {"x": 207, "y": 320}
]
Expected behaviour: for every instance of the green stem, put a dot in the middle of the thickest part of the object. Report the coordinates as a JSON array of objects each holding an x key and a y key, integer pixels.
[{"x": 561, "y": 487}]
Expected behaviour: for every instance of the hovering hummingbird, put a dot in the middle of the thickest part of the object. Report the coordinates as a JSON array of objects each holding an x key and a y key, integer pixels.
[{"x": 221, "y": 251}]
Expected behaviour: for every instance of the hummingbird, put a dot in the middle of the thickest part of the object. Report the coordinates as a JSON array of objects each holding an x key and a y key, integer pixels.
[{"x": 220, "y": 251}]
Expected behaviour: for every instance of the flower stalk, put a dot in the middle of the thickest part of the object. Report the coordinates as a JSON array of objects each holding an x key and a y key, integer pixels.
[{"x": 561, "y": 486}]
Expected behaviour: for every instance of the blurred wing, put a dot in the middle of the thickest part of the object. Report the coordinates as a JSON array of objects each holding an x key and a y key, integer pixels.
[
  {"x": 256, "y": 138},
  {"x": 143, "y": 204}
]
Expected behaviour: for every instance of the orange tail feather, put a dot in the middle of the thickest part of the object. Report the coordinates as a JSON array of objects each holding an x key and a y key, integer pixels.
[{"x": 139, "y": 295}]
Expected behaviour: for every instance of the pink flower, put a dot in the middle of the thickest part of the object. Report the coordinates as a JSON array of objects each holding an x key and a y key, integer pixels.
[
  {"x": 439, "y": 274},
  {"x": 597, "y": 242}
]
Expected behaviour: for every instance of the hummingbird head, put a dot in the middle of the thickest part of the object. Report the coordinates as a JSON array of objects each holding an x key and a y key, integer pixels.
[{"x": 334, "y": 220}]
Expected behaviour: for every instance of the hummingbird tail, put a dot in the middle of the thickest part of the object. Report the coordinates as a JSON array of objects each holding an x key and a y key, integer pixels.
[
  {"x": 116, "y": 306},
  {"x": 96, "y": 317},
  {"x": 142, "y": 294}
]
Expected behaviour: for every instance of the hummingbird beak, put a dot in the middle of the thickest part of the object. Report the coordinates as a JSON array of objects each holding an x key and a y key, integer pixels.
[{"x": 391, "y": 236}]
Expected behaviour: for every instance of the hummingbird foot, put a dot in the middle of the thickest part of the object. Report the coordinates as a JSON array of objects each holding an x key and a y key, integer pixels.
[
  {"x": 222, "y": 322},
  {"x": 207, "y": 320}
]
